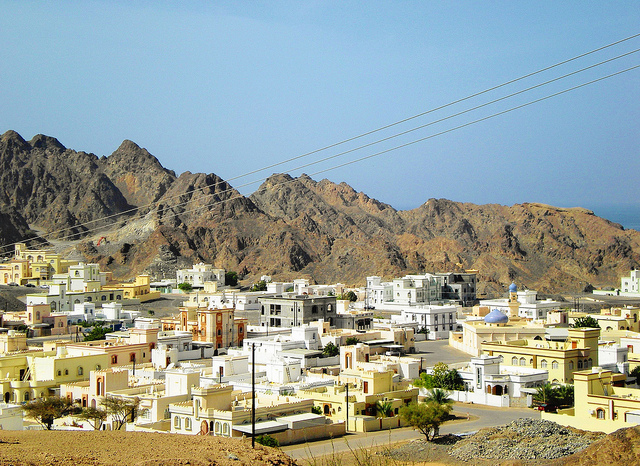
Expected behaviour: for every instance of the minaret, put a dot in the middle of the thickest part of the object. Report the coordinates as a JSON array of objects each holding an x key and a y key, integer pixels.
[{"x": 514, "y": 305}]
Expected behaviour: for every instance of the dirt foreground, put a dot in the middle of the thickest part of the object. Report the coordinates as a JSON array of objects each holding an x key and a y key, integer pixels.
[{"x": 131, "y": 448}]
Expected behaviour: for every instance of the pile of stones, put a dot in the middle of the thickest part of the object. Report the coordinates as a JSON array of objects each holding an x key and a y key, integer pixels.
[{"x": 523, "y": 439}]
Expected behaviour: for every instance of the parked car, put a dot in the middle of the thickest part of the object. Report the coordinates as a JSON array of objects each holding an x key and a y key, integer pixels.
[
  {"x": 30, "y": 285},
  {"x": 13, "y": 284}
]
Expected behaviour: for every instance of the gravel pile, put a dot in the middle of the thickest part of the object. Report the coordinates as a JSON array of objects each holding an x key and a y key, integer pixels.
[{"x": 523, "y": 439}]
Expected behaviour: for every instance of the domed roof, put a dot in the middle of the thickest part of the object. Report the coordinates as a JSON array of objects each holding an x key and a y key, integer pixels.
[
  {"x": 513, "y": 288},
  {"x": 496, "y": 317}
]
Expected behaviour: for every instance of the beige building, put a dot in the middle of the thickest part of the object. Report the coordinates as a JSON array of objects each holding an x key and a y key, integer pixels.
[
  {"x": 561, "y": 359},
  {"x": 602, "y": 403}
]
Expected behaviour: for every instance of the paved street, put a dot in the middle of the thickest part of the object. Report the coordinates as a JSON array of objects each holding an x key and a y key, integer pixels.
[
  {"x": 434, "y": 351},
  {"x": 481, "y": 416}
]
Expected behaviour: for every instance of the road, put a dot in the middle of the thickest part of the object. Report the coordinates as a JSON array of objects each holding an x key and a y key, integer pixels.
[{"x": 480, "y": 417}]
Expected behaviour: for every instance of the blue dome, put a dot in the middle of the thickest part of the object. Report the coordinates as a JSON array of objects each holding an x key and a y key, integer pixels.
[
  {"x": 496, "y": 317},
  {"x": 513, "y": 288}
]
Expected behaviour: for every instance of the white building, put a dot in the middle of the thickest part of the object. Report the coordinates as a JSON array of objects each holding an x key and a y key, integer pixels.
[
  {"x": 523, "y": 304},
  {"x": 487, "y": 381},
  {"x": 631, "y": 284},
  {"x": 614, "y": 358},
  {"x": 437, "y": 321},
  {"x": 201, "y": 273},
  {"x": 11, "y": 417}
]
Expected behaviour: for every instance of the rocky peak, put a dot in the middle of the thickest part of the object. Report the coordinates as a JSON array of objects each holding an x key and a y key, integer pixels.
[{"x": 40, "y": 141}]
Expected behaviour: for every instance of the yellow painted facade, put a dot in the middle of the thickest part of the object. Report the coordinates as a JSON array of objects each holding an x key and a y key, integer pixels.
[
  {"x": 139, "y": 289},
  {"x": 602, "y": 403},
  {"x": 559, "y": 358}
]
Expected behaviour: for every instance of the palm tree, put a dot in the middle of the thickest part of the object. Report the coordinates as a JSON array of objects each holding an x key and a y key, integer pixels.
[
  {"x": 440, "y": 397},
  {"x": 546, "y": 396},
  {"x": 384, "y": 408}
]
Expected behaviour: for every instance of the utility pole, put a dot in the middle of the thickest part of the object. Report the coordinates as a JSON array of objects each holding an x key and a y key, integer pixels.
[
  {"x": 347, "y": 407},
  {"x": 253, "y": 395}
]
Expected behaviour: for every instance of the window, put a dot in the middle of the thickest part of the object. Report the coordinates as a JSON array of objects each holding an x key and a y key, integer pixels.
[
  {"x": 59, "y": 373},
  {"x": 132, "y": 357},
  {"x": 570, "y": 365},
  {"x": 66, "y": 372},
  {"x": 98, "y": 367},
  {"x": 176, "y": 422},
  {"x": 554, "y": 365},
  {"x": 514, "y": 361},
  {"x": 543, "y": 364},
  {"x": 80, "y": 370},
  {"x": 114, "y": 359},
  {"x": 523, "y": 362},
  {"x": 579, "y": 364},
  {"x": 600, "y": 413},
  {"x": 187, "y": 423}
]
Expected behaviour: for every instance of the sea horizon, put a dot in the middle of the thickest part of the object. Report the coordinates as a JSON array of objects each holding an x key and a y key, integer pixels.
[{"x": 626, "y": 215}]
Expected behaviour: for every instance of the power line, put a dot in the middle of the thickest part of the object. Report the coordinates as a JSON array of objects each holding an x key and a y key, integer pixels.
[
  {"x": 138, "y": 208},
  {"x": 375, "y": 142}
]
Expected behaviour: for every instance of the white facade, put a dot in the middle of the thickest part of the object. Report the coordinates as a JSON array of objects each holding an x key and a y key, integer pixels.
[
  {"x": 529, "y": 307},
  {"x": 11, "y": 417},
  {"x": 614, "y": 358},
  {"x": 631, "y": 284},
  {"x": 437, "y": 320},
  {"x": 485, "y": 374},
  {"x": 199, "y": 274}
]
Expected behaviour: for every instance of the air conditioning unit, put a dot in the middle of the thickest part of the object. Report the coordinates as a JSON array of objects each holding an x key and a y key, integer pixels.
[{"x": 591, "y": 412}]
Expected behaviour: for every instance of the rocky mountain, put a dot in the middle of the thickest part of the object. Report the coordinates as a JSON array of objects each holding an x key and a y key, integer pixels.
[{"x": 292, "y": 227}]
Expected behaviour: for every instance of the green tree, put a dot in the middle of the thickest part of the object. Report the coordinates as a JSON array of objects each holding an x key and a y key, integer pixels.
[
  {"x": 635, "y": 372},
  {"x": 316, "y": 410},
  {"x": 122, "y": 410},
  {"x": 98, "y": 332},
  {"x": 259, "y": 286},
  {"x": 441, "y": 377},
  {"x": 94, "y": 416},
  {"x": 426, "y": 417},
  {"x": 46, "y": 410},
  {"x": 330, "y": 349},
  {"x": 565, "y": 396},
  {"x": 351, "y": 296},
  {"x": 352, "y": 341},
  {"x": 439, "y": 396},
  {"x": 384, "y": 408},
  {"x": 185, "y": 287},
  {"x": 546, "y": 396},
  {"x": 267, "y": 441},
  {"x": 231, "y": 278},
  {"x": 587, "y": 321}
]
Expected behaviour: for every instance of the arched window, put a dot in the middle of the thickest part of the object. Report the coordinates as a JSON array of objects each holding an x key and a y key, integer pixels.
[
  {"x": 88, "y": 299},
  {"x": 53, "y": 306},
  {"x": 66, "y": 372},
  {"x": 80, "y": 370},
  {"x": 579, "y": 363},
  {"x": 176, "y": 422},
  {"x": 132, "y": 357},
  {"x": 600, "y": 413},
  {"x": 77, "y": 301},
  {"x": 523, "y": 362},
  {"x": 59, "y": 373},
  {"x": 543, "y": 364},
  {"x": 114, "y": 359},
  {"x": 570, "y": 365},
  {"x": 187, "y": 423},
  {"x": 514, "y": 361},
  {"x": 219, "y": 332},
  {"x": 98, "y": 367},
  {"x": 590, "y": 362},
  {"x": 37, "y": 315},
  {"x": 104, "y": 297},
  {"x": 118, "y": 297},
  {"x": 554, "y": 365}
]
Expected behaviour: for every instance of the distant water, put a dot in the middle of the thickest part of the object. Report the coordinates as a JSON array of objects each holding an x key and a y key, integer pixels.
[{"x": 626, "y": 215}]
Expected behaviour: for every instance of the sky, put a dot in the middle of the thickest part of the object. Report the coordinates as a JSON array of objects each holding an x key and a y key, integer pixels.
[{"x": 230, "y": 87}]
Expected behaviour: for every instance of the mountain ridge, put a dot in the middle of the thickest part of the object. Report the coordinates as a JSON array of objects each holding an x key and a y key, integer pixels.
[{"x": 294, "y": 227}]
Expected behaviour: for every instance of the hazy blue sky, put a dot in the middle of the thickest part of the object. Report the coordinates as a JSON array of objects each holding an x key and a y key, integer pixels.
[{"x": 224, "y": 87}]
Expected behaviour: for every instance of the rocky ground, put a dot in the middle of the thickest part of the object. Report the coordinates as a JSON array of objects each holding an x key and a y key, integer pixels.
[{"x": 524, "y": 442}]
